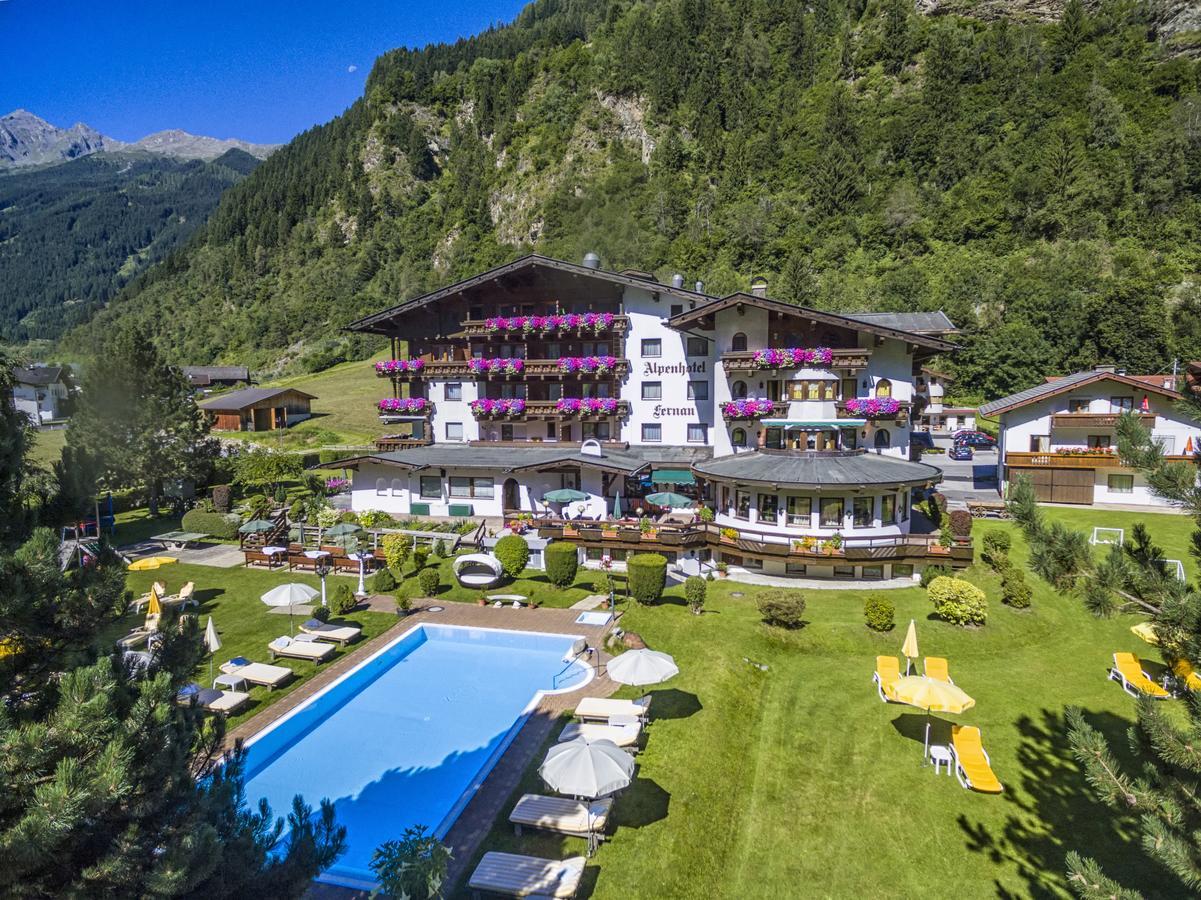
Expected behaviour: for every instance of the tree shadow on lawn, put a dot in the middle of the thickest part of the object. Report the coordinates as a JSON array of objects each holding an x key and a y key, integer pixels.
[
  {"x": 672, "y": 703},
  {"x": 643, "y": 803}
]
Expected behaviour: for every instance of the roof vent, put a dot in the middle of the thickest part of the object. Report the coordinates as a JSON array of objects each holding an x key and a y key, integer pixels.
[
  {"x": 677, "y": 280},
  {"x": 591, "y": 448},
  {"x": 759, "y": 287},
  {"x": 591, "y": 260},
  {"x": 700, "y": 287}
]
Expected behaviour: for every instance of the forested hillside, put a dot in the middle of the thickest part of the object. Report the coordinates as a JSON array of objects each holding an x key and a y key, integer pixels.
[
  {"x": 1039, "y": 182},
  {"x": 72, "y": 235}
]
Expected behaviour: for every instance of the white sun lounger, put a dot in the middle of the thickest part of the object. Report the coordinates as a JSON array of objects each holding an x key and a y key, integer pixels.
[
  {"x": 314, "y": 650},
  {"x": 623, "y": 735},
  {"x": 602, "y": 709},
  {"x": 526, "y": 876},
  {"x": 268, "y": 676},
  {"x": 560, "y": 815},
  {"x": 339, "y": 634},
  {"x": 217, "y": 701}
]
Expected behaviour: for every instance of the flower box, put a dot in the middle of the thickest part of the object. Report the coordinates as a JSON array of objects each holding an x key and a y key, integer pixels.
[
  {"x": 651, "y": 535},
  {"x": 404, "y": 405},
  {"x": 940, "y": 550},
  {"x": 793, "y": 357},
  {"x": 609, "y": 533},
  {"x": 496, "y": 366},
  {"x": 488, "y": 409},
  {"x": 399, "y": 366},
  {"x": 570, "y": 531},
  {"x": 587, "y": 365},
  {"x": 746, "y": 409},
  {"x": 592, "y": 323},
  {"x": 873, "y": 407},
  {"x": 571, "y": 406}
]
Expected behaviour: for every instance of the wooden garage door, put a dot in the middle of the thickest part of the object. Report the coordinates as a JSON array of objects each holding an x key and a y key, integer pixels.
[{"x": 1059, "y": 485}]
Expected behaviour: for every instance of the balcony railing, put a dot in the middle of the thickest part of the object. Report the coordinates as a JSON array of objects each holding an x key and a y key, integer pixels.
[
  {"x": 535, "y": 368},
  {"x": 843, "y": 358},
  {"x": 743, "y": 410},
  {"x": 1095, "y": 459},
  {"x": 1095, "y": 420},
  {"x": 391, "y": 442},
  {"x": 549, "y": 409},
  {"x": 479, "y": 328},
  {"x": 901, "y": 416},
  {"x": 401, "y": 411}
]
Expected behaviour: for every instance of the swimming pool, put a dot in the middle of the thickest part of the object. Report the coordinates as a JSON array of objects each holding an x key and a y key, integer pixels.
[{"x": 408, "y": 735}]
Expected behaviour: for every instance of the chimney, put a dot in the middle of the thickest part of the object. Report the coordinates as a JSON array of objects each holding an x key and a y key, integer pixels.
[
  {"x": 591, "y": 260},
  {"x": 677, "y": 280},
  {"x": 700, "y": 287},
  {"x": 759, "y": 287}
]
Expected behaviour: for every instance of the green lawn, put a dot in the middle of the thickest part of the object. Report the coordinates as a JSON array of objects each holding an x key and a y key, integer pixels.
[{"x": 47, "y": 446}]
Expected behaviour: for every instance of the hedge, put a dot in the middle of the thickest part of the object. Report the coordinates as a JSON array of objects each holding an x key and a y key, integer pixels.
[
  {"x": 513, "y": 553},
  {"x": 647, "y": 576},
  {"x": 562, "y": 562},
  {"x": 1015, "y": 589},
  {"x": 958, "y": 601},
  {"x": 343, "y": 600},
  {"x": 222, "y": 527},
  {"x": 929, "y": 573}
]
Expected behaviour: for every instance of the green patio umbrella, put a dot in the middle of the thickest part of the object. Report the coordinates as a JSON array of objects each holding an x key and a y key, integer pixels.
[
  {"x": 617, "y": 506},
  {"x": 346, "y": 541},
  {"x": 256, "y": 526},
  {"x": 342, "y": 529},
  {"x": 668, "y": 498},
  {"x": 564, "y": 495}
]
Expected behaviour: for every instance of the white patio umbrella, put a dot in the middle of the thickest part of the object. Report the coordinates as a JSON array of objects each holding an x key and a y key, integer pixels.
[
  {"x": 289, "y": 595},
  {"x": 588, "y": 769},
  {"x": 212, "y": 643},
  {"x": 642, "y": 667}
]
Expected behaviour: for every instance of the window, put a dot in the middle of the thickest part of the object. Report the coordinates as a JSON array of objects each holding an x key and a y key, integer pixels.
[
  {"x": 652, "y": 390},
  {"x": 831, "y": 512},
  {"x": 738, "y": 437},
  {"x": 698, "y": 390},
  {"x": 1078, "y": 404},
  {"x": 1098, "y": 442},
  {"x": 381, "y": 487},
  {"x": 742, "y": 505},
  {"x": 902, "y": 570},
  {"x": 829, "y": 390},
  {"x": 398, "y": 487},
  {"x": 506, "y": 432},
  {"x": 698, "y": 433},
  {"x": 698, "y": 347},
  {"x": 883, "y": 439},
  {"x": 1040, "y": 443},
  {"x": 769, "y": 507},
  {"x": 677, "y": 309},
  {"x": 888, "y": 509},
  {"x": 905, "y": 501},
  {"x": 454, "y": 431},
  {"x": 454, "y": 390},
  {"x": 652, "y": 432},
  {"x": 844, "y": 571},
  {"x": 861, "y": 512},
  {"x": 872, "y": 573},
  {"x": 1121, "y": 404},
  {"x": 483, "y": 487},
  {"x": 795, "y": 569},
  {"x": 738, "y": 391},
  {"x": 461, "y": 486},
  {"x": 1121, "y": 484},
  {"x": 652, "y": 347},
  {"x": 598, "y": 431},
  {"x": 883, "y": 388},
  {"x": 800, "y": 509},
  {"x": 431, "y": 487},
  {"x": 849, "y": 388},
  {"x": 738, "y": 342}
]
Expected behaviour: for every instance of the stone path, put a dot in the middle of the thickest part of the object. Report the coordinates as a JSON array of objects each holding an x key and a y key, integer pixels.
[{"x": 592, "y": 601}]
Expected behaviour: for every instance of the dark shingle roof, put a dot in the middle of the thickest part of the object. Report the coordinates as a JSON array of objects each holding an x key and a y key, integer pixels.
[
  {"x": 247, "y": 397},
  {"x": 209, "y": 374},
  {"x": 914, "y": 322},
  {"x": 37, "y": 375},
  {"x": 818, "y": 470},
  {"x": 510, "y": 459},
  {"x": 1062, "y": 385}
]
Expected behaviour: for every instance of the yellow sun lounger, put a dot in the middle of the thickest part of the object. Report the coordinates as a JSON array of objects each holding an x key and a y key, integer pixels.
[
  {"x": 888, "y": 671},
  {"x": 1187, "y": 674},
  {"x": 937, "y": 668},
  {"x": 1129, "y": 671},
  {"x": 973, "y": 768}
]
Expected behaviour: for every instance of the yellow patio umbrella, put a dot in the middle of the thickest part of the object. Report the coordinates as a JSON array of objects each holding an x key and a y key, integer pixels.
[
  {"x": 154, "y": 608},
  {"x": 1146, "y": 631},
  {"x": 8, "y": 647},
  {"x": 909, "y": 648},
  {"x": 151, "y": 562},
  {"x": 931, "y": 695}
]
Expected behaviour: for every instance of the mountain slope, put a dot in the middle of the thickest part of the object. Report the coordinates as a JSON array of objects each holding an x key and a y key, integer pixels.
[
  {"x": 183, "y": 145},
  {"x": 1038, "y": 182},
  {"x": 71, "y": 235}
]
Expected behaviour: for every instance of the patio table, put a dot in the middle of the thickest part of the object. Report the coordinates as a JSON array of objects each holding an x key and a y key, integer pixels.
[
  {"x": 231, "y": 680},
  {"x": 273, "y": 551},
  {"x": 316, "y": 554}
]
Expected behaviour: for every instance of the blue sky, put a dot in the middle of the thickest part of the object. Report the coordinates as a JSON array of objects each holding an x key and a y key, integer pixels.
[{"x": 260, "y": 70}]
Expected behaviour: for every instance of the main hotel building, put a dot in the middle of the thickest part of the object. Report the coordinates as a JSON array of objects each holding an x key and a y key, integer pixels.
[{"x": 791, "y": 424}]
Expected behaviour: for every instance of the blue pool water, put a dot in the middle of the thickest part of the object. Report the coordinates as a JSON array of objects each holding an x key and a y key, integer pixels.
[{"x": 408, "y": 735}]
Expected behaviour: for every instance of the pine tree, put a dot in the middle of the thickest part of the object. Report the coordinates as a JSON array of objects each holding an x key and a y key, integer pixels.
[
  {"x": 14, "y": 444},
  {"x": 896, "y": 36},
  {"x": 1071, "y": 32}
]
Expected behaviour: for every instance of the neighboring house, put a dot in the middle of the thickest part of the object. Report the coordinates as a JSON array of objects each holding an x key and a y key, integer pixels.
[
  {"x": 1061, "y": 434},
  {"x": 209, "y": 378},
  {"x": 258, "y": 409},
  {"x": 931, "y": 386},
  {"x": 41, "y": 392},
  {"x": 792, "y": 423}
]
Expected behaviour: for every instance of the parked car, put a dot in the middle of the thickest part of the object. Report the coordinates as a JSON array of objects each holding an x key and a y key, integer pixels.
[
  {"x": 976, "y": 439},
  {"x": 960, "y": 452}
]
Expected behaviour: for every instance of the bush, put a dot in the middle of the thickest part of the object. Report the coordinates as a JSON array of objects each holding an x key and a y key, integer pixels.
[
  {"x": 784, "y": 609},
  {"x": 939, "y": 501},
  {"x": 931, "y": 572},
  {"x": 421, "y": 555},
  {"x": 397, "y": 548},
  {"x": 647, "y": 576},
  {"x": 562, "y": 562},
  {"x": 1015, "y": 589},
  {"x": 440, "y": 549},
  {"x": 414, "y": 867},
  {"x": 222, "y": 527},
  {"x": 383, "y": 582},
  {"x": 961, "y": 522},
  {"x": 321, "y": 613},
  {"x": 429, "y": 580},
  {"x": 958, "y": 601},
  {"x": 879, "y": 613},
  {"x": 297, "y": 510},
  {"x": 222, "y": 495},
  {"x": 513, "y": 553},
  {"x": 997, "y": 544},
  {"x": 329, "y": 456},
  {"x": 694, "y": 593},
  {"x": 343, "y": 600}
]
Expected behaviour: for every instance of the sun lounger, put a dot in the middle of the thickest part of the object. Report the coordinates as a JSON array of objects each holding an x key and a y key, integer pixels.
[
  {"x": 215, "y": 700},
  {"x": 339, "y": 634},
  {"x": 623, "y": 735},
  {"x": 1135, "y": 682},
  {"x": 269, "y": 677},
  {"x": 183, "y": 598},
  {"x": 937, "y": 668},
  {"x": 888, "y": 670},
  {"x": 513, "y": 875},
  {"x": 317, "y": 651},
  {"x": 135, "y": 638},
  {"x": 1184, "y": 672},
  {"x": 602, "y": 709},
  {"x": 560, "y": 815},
  {"x": 973, "y": 768}
]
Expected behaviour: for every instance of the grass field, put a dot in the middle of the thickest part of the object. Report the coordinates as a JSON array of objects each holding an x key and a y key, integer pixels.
[{"x": 48, "y": 446}]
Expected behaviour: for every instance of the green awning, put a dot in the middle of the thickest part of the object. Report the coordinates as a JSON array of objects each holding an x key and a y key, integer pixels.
[{"x": 672, "y": 476}]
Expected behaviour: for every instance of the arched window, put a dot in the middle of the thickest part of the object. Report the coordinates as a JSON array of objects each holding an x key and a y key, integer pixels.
[
  {"x": 381, "y": 487},
  {"x": 738, "y": 342},
  {"x": 738, "y": 437},
  {"x": 397, "y": 487},
  {"x": 883, "y": 388},
  {"x": 883, "y": 439},
  {"x": 739, "y": 390}
]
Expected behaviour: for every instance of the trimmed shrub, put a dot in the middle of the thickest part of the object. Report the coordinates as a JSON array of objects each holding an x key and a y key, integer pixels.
[
  {"x": 647, "y": 576},
  {"x": 879, "y": 613},
  {"x": 513, "y": 553},
  {"x": 562, "y": 562},
  {"x": 784, "y": 609},
  {"x": 296, "y": 511},
  {"x": 343, "y": 600},
  {"x": 222, "y": 527},
  {"x": 1015, "y": 589},
  {"x": 694, "y": 593},
  {"x": 397, "y": 548},
  {"x": 421, "y": 556},
  {"x": 329, "y": 456},
  {"x": 321, "y": 613},
  {"x": 997, "y": 544},
  {"x": 931, "y": 572},
  {"x": 961, "y": 522},
  {"x": 440, "y": 548},
  {"x": 958, "y": 601},
  {"x": 429, "y": 581},
  {"x": 383, "y": 582},
  {"x": 939, "y": 502},
  {"x": 222, "y": 496}
]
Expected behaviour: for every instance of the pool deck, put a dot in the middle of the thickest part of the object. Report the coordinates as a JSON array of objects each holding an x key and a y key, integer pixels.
[{"x": 476, "y": 820}]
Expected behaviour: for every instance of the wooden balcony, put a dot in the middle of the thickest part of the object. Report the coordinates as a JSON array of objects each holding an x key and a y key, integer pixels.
[
  {"x": 400, "y": 415},
  {"x": 901, "y": 416},
  {"x": 779, "y": 408},
  {"x": 1098, "y": 459},
  {"x": 391, "y": 442},
  {"x": 548, "y": 409},
  {"x": 1095, "y": 420},
  {"x": 844, "y": 358},
  {"x": 533, "y": 368},
  {"x": 475, "y": 328}
]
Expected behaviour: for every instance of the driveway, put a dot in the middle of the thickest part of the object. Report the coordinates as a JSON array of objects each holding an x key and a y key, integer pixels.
[{"x": 974, "y": 479}]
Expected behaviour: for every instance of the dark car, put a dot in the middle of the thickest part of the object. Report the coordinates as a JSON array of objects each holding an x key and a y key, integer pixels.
[
  {"x": 922, "y": 439},
  {"x": 977, "y": 439},
  {"x": 960, "y": 452}
]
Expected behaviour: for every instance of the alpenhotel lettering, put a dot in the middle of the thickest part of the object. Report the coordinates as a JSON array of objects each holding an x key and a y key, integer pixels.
[{"x": 654, "y": 368}]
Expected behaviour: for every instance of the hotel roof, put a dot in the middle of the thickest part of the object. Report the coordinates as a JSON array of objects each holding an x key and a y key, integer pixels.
[
  {"x": 817, "y": 470},
  {"x": 1067, "y": 383},
  {"x": 629, "y": 461}
]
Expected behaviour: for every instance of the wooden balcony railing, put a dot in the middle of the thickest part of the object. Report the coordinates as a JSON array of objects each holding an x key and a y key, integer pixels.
[
  {"x": 1092, "y": 460},
  {"x": 778, "y": 409},
  {"x": 533, "y": 368},
  {"x": 844, "y": 358},
  {"x": 1095, "y": 420},
  {"x": 548, "y": 409},
  {"x": 391, "y": 442},
  {"x": 479, "y": 328},
  {"x": 901, "y": 416}
]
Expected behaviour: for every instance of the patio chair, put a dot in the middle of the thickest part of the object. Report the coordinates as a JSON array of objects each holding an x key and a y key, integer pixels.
[
  {"x": 316, "y": 651},
  {"x": 973, "y": 768},
  {"x": 936, "y": 667},
  {"x": 261, "y": 674},
  {"x": 560, "y": 815},
  {"x": 602, "y": 709},
  {"x": 513, "y": 875},
  {"x": 1129, "y": 671},
  {"x": 1186, "y": 675},
  {"x": 339, "y": 634},
  {"x": 888, "y": 671}
]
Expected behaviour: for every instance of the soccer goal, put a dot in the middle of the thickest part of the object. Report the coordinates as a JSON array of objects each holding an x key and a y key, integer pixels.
[
  {"x": 1173, "y": 567},
  {"x": 1108, "y": 536}
]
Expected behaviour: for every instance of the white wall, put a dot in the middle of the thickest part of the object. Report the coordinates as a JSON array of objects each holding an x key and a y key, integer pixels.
[{"x": 878, "y": 529}]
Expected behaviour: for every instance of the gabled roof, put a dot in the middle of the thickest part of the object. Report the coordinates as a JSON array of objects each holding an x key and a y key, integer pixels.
[
  {"x": 1069, "y": 383},
  {"x": 37, "y": 375},
  {"x": 202, "y": 375},
  {"x": 841, "y": 320},
  {"x": 376, "y": 323},
  {"x": 935, "y": 323},
  {"x": 238, "y": 400}
]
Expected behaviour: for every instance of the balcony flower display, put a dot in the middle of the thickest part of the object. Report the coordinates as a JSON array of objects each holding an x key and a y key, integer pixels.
[
  {"x": 415, "y": 405},
  {"x": 873, "y": 407},
  {"x": 593, "y": 322},
  {"x": 510, "y": 366},
  {"x": 746, "y": 409},
  {"x": 336, "y": 485},
  {"x": 573, "y": 365},
  {"x": 484, "y": 409},
  {"x": 792, "y": 357},
  {"x": 1085, "y": 451},
  {"x": 571, "y": 406},
  {"x": 399, "y": 366}
]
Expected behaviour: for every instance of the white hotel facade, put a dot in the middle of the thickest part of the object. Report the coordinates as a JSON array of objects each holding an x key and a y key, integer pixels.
[{"x": 791, "y": 424}]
